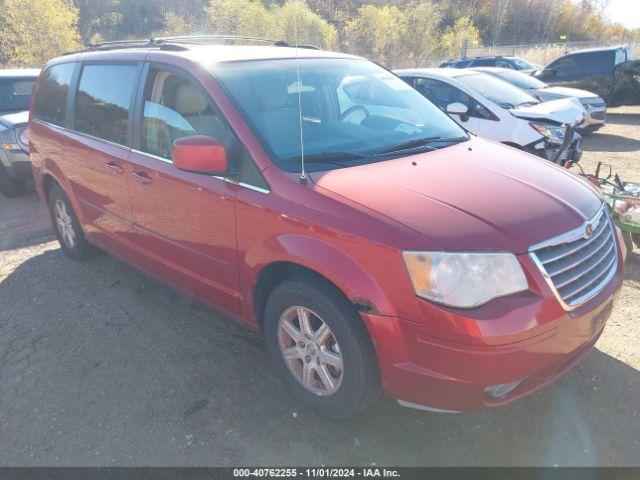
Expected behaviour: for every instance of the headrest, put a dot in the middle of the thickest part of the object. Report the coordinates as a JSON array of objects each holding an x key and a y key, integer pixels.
[
  {"x": 189, "y": 100},
  {"x": 274, "y": 94}
]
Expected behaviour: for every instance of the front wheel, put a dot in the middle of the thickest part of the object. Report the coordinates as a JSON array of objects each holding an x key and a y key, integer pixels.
[{"x": 321, "y": 348}]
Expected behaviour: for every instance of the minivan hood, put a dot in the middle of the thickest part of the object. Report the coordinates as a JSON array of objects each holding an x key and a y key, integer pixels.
[
  {"x": 477, "y": 195},
  {"x": 568, "y": 111}
]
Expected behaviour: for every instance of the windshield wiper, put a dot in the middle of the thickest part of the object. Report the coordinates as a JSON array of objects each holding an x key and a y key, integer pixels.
[
  {"x": 418, "y": 143},
  {"x": 326, "y": 157}
]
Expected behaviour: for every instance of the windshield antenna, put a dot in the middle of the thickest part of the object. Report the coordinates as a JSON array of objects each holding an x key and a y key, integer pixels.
[{"x": 303, "y": 174}]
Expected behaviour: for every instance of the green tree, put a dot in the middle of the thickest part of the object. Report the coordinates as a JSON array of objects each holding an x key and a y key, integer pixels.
[
  {"x": 239, "y": 17},
  {"x": 375, "y": 33},
  {"x": 225, "y": 16},
  {"x": 252, "y": 18},
  {"x": 462, "y": 32},
  {"x": 295, "y": 19},
  {"x": 98, "y": 19},
  {"x": 33, "y": 31},
  {"x": 420, "y": 32}
]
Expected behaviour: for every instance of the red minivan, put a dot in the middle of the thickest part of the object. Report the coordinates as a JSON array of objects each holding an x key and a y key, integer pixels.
[{"x": 318, "y": 198}]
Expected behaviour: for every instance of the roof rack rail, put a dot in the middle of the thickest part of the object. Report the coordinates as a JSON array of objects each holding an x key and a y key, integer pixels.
[
  {"x": 179, "y": 42},
  {"x": 211, "y": 38},
  {"x": 200, "y": 39}
]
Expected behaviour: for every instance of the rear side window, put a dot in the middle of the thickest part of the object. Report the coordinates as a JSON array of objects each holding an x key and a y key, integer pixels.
[
  {"x": 50, "y": 103},
  {"x": 103, "y": 101},
  {"x": 484, "y": 62},
  {"x": 15, "y": 94},
  {"x": 461, "y": 64},
  {"x": 596, "y": 62},
  {"x": 565, "y": 63}
]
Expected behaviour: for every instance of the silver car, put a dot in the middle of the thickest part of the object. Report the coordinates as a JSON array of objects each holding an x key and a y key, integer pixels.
[
  {"x": 592, "y": 103},
  {"x": 16, "y": 87}
]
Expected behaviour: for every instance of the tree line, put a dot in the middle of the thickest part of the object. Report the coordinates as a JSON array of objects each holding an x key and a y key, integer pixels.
[{"x": 393, "y": 32}]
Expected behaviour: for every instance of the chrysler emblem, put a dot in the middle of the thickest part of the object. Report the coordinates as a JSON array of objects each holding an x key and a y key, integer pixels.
[{"x": 588, "y": 231}]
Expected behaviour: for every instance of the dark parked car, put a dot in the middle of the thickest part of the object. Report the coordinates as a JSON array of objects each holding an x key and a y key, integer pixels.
[
  {"x": 514, "y": 63},
  {"x": 609, "y": 72},
  {"x": 16, "y": 87}
]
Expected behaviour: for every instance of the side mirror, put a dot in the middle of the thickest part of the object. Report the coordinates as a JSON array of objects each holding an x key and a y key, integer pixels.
[
  {"x": 547, "y": 73},
  {"x": 199, "y": 154},
  {"x": 458, "y": 108}
]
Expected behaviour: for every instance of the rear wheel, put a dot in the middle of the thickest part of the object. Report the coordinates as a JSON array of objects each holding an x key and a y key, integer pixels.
[
  {"x": 67, "y": 227},
  {"x": 321, "y": 348},
  {"x": 10, "y": 187}
]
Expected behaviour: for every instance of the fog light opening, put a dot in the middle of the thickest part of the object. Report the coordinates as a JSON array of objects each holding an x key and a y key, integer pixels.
[{"x": 502, "y": 390}]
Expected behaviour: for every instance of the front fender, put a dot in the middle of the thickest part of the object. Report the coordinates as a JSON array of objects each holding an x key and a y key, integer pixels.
[{"x": 324, "y": 258}]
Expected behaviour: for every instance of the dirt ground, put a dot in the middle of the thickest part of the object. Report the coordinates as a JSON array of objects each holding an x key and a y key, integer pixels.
[{"x": 100, "y": 365}]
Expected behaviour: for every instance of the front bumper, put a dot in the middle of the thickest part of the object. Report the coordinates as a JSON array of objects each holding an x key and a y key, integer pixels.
[
  {"x": 16, "y": 163},
  {"x": 447, "y": 361},
  {"x": 596, "y": 116}
]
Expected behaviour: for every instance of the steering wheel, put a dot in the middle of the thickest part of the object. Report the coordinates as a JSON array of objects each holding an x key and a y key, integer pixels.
[{"x": 355, "y": 108}]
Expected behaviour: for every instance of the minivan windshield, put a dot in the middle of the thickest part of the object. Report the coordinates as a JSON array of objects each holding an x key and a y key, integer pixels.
[
  {"x": 496, "y": 90},
  {"x": 15, "y": 94},
  {"x": 521, "y": 80},
  {"x": 353, "y": 111}
]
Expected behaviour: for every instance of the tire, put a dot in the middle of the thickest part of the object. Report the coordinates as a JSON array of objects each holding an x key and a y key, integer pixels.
[
  {"x": 628, "y": 243},
  {"x": 590, "y": 129},
  {"x": 359, "y": 381},
  {"x": 70, "y": 236},
  {"x": 10, "y": 187},
  {"x": 636, "y": 239}
]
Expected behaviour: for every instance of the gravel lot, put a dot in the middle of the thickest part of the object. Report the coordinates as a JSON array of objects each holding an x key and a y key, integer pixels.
[{"x": 100, "y": 365}]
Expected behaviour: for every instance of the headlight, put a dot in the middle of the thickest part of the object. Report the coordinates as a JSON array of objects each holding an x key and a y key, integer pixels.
[
  {"x": 552, "y": 132},
  {"x": 23, "y": 138},
  {"x": 464, "y": 280}
]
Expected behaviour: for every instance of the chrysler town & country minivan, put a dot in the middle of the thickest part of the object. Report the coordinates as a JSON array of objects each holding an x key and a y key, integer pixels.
[{"x": 407, "y": 256}]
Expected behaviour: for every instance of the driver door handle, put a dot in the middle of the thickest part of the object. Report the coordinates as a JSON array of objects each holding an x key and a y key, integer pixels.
[
  {"x": 142, "y": 177},
  {"x": 114, "y": 168}
]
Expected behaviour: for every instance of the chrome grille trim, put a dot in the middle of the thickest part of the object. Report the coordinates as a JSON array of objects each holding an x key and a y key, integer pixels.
[{"x": 577, "y": 267}]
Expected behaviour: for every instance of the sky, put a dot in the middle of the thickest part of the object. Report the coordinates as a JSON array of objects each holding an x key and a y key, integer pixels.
[{"x": 626, "y": 12}]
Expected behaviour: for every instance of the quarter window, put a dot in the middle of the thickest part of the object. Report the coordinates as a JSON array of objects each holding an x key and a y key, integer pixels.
[
  {"x": 103, "y": 101},
  {"x": 50, "y": 103},
  {"x": 484, "y": 62}
]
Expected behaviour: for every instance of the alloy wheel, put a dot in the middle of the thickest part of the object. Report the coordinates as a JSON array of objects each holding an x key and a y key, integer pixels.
[
  {"x": 64, "y": 222},
  {"x": 310, "y": 350}
]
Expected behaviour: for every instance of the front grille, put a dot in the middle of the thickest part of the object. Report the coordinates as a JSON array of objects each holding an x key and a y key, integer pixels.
[
  {"x": 595, "y": 103},
  {"x": 578, "y": 266}
]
